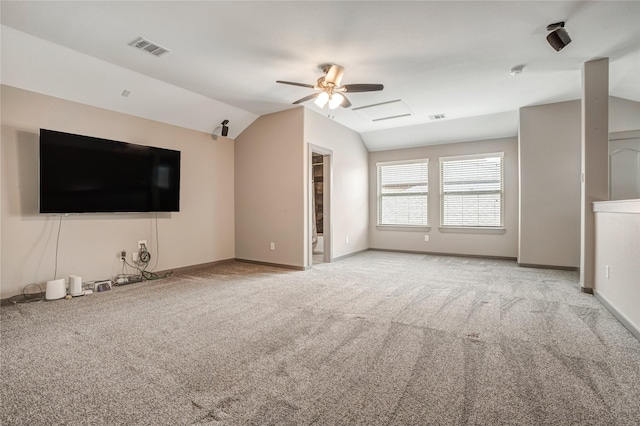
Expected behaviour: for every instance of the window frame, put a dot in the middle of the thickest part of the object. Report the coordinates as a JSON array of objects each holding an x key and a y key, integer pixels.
[
  {"x": 476, "y": 227},
  {"x": 379, "y": 196}
]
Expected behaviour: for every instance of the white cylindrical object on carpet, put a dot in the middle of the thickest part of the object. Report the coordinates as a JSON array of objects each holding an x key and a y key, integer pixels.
[
  {"x": 75, "y": 285},
  {"x": 56, "y": 289}
]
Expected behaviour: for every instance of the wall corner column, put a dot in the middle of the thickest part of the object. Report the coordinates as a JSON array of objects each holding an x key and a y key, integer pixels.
[{"x": 595, "y": 160}]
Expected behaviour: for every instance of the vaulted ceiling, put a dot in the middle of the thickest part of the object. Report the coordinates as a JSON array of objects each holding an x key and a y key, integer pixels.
[{"x": 446, "y": 57}]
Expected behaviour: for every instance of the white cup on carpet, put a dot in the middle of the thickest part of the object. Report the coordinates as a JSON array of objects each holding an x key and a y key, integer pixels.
[{"x": 56, "y": 289}]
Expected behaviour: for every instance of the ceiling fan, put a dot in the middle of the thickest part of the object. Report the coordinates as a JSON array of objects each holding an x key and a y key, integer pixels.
[{"x": 329, "y": 89}]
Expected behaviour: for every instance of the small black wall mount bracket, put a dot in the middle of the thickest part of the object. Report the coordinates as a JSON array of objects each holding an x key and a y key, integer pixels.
[{"x": 555, "y": 26}]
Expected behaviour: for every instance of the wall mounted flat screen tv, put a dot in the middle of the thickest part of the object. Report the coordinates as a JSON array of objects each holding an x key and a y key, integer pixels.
[{"x": 83, "y": 174}]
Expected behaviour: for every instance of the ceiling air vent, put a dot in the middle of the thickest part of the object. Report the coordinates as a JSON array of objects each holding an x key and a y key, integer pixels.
[
  {"x": 384, "y": 110},
  {"x": 149, "y": 47},
  {"x": 437, "y": 117}
]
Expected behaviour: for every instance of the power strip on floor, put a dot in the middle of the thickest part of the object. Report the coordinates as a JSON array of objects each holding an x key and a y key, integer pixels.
[{"x": 128, "y": 280}]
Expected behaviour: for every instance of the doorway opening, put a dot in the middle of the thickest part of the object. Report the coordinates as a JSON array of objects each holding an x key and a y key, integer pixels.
[
  {"x": 317, "y": 235},
  {"x": 319, "y": 206}
]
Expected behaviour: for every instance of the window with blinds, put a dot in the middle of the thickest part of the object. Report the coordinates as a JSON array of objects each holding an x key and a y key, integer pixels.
[
  {"x": 403, "y": 190},
  {"x": 472, "y": 191}
]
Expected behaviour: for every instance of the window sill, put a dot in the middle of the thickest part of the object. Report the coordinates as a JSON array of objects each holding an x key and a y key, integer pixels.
[
  {"x": 410, "y": 228},
  {"x": 472, "y": 230}
]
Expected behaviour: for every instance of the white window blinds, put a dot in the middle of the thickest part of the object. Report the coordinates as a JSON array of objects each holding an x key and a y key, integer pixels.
[
  {"x": 471, "y": 191},
  {"x": 403, "y": 189}
]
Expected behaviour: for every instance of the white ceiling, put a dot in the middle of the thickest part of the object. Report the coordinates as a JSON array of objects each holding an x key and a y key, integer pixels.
[{"x": 446, "y": 57}]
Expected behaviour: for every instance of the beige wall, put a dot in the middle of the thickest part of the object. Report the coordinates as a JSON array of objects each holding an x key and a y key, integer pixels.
[
  {"x": 624, "y": 149},
  {"x": 350, "y": 196},
  {"x": 271, "y": 192},
  {"x": 624, "y": 115},
  {"x": 549, "y": 144},
  {"x": 469, "y": 242},
  {"x": 624, "y": 165},
  {"x": 203, "y": 230},
  {"x": 270, "y": 188}
]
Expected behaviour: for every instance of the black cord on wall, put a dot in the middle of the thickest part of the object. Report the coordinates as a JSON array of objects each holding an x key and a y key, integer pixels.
[
  {"x": 149, "y": 275},
  {"x": 157, "y": 246}
]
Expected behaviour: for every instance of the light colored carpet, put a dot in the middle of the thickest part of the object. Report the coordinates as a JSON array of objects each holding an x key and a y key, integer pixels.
[{"x": 376, "y": 339}]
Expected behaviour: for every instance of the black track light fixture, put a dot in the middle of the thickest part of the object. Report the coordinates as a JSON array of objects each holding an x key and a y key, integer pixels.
[{"x": 558, "y": 38}]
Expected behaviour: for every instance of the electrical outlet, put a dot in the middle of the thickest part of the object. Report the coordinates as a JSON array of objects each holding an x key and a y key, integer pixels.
[
  {"x": 141, "y": 243},
  {"x": 273, "y": 246},
  {"x": 346, "y": 240},
  {"x": 123, "y": 255},
  {"x": 426, "y": 238},
  {"x": 134, "y": 256},
  {"x": 607, "y": 271}
]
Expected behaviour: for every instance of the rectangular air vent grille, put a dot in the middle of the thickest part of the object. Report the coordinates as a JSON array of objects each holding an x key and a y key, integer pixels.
[
  {"x": 149, "y": 47},
  {"x": 384, "y": 110},
  {"x": 391, "y": 117}
]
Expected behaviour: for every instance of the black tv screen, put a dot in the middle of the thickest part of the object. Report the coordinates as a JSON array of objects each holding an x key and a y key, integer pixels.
[{"x": 83, "y": 174}]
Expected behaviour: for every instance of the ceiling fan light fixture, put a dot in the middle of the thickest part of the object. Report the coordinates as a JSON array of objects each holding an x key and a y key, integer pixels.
[
  {"x": 329, "y": 89},
  {"x": 335, "y": 100},
  {"x": 322, "y": 99}
]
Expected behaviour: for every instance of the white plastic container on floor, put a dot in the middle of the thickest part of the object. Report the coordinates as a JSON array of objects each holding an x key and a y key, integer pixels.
[{"x": 56, "y": 289}]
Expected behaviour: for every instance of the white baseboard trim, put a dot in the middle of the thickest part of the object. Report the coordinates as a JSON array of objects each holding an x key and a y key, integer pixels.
[
  {"x": 275, "y": 265},
  {"x": 344, "y": 256},
  {"x": 435, "y": 253},
  {"x": 561, "y": 268},
  {"x": 619, "y": 315},
  {"x": 194, "y": 267}
]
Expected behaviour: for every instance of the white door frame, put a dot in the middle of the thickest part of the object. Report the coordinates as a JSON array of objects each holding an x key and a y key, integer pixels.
[{"x": 327, "y": 179}]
